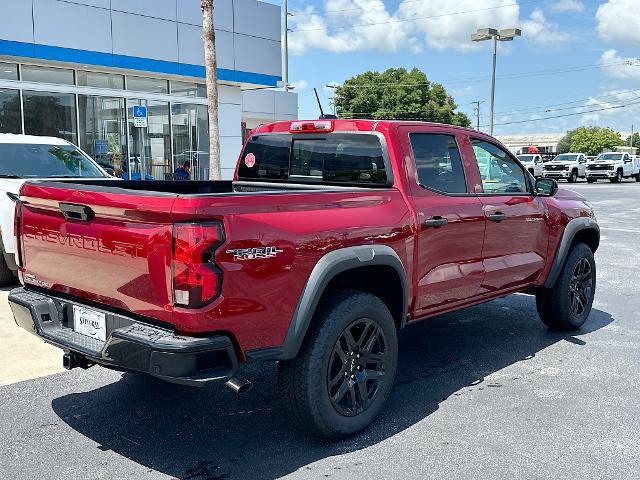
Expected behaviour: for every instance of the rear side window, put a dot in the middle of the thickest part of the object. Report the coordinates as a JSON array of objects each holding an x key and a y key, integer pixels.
[
  {"x": 334, "y": 158},
  {"x": 438, "y": 163}
]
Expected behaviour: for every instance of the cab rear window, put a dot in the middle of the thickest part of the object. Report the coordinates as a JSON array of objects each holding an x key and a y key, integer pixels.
[{"x": 333, "y": 158}]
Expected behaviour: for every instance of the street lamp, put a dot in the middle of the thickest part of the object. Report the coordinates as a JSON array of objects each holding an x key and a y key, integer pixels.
[{"x": 504, "y": 35}]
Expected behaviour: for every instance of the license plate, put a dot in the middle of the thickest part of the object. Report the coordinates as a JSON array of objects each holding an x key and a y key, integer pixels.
[{"x": 90, "y": 323}]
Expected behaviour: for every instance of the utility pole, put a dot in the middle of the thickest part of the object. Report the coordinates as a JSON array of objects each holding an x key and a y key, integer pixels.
[
  {"x": 285, "y": 66},
  {"x": 631, "y": 137},
  {"x": 476, "y": 111}
]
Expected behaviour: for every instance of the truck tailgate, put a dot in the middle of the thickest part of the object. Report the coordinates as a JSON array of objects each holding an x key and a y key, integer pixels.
[{"x": 112, "y": 249}]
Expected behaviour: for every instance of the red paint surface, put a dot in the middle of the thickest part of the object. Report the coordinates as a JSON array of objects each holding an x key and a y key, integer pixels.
[{"x": 122, "y": 257}]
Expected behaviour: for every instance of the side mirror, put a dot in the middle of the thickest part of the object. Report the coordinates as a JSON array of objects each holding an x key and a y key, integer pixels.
[{"x": 546, "y": 187}]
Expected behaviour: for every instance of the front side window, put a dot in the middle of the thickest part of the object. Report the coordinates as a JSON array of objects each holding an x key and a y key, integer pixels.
[
  {"x": 45, "y": 161},
  {"x": 499, "y": 172},
  {"x": 438, "y": 163}
]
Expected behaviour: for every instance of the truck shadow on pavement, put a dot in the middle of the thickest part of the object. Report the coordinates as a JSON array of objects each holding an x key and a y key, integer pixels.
[{"x": 210, "y": 433}]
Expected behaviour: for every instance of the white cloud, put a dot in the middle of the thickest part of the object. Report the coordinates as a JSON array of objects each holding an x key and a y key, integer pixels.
[
  {"x": 615, "y": 108},
  {"x": 538, "y": 29},
  {"x": 618, "y": 21},
  {"x": 617, "y": 66},
  {"x": 465, "y": 91},
  {"x": 568, "y": 6},
  {"x": 352, "y": 25},
  {"x": 299, "y": 85},
  {"x": 341, "y": 26}
]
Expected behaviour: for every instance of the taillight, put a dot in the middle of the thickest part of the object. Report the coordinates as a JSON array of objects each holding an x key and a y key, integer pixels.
[
  {"x": 196, "y": 279},
  {"x": 317, "y": 126}
]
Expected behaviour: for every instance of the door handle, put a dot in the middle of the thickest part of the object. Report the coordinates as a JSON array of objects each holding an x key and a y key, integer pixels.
[
  {"x": 74, "y": 211},
  {"x": 497, "y": 217},
  {"x": 435, "y": 222}
]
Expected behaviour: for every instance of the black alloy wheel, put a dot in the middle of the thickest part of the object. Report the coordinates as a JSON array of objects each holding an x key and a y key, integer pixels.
[
  {"x": 580, "y": 287},
  {"x": 356, "y": 367}
]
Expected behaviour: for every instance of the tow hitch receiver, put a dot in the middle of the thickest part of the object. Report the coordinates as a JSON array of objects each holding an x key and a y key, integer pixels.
[{"x": 71, "y": 360}]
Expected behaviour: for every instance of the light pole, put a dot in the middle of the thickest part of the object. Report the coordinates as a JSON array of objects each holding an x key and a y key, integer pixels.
[{"x": 504, "y": 35}]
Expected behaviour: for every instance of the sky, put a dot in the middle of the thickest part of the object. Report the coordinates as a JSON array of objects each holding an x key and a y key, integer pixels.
[{"x": 575, "y": 60}]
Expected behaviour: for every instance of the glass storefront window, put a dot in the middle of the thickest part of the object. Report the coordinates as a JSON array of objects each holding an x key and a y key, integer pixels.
[
  {"x": 103, "y": 131},
  {"x": 100, "y": 80},
  {"x": 149, "y": 85},
  {"x": 60, "y": 76},
  {"x": 8, "y": 71},
  {"x": 150, "y": 147},
  {"x": 50, "y": 114},
  {"x": 185, "y": 89},
  {"x": 191, "y": 139},
  {"x": 10, "y": 111}
]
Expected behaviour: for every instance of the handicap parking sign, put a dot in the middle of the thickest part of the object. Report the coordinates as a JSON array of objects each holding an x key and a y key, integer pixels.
[{"x": 140, "y": 116}]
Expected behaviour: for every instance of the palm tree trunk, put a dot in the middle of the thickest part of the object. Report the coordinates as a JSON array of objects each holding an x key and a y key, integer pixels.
[{"x": 211, "y": 67}]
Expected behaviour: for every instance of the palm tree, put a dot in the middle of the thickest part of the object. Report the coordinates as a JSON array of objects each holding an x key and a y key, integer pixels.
[{"x": 211, "y": 67}]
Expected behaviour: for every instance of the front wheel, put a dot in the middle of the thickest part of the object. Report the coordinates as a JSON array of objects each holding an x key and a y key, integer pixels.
[
  {"x": 574, "y": 177},
  {"x": 345, "y": 369},
  {"x": 591, "y": 180},
  {"x": 567, "y": 304},
  {"x": 617, "y": 178},
  {"x": 638, "y": 177}
]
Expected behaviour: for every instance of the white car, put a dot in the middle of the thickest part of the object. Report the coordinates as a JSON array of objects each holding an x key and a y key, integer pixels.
[
  {"x": 613, "y": 166},
  {"x": 22, "y": 158},
  {"x": 532, "y": 162},
  {"x": 569, "y": 166}
]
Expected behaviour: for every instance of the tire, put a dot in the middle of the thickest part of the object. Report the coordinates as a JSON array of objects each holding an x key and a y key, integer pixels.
[
  {"x": 617, "y": 178},
  {"x": 638, "y": 177},
  {"x": 555, "y": 305},
  {"x": 7, "y": 276},
  {"x": 592, "y": 180},
  {"x": 304, "y": 382},
  {"x": 574, "y": 177}
]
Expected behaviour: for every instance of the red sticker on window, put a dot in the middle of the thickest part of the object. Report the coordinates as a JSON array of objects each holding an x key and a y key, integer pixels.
[{"x": 250, "y": 160}]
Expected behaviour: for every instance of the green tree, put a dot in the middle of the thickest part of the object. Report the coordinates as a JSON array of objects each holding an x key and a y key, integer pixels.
[
  {"x": 397, "y": 93},
  {"x": 564, "y": 144},
  {"x": 636, "y": 140},
  {"x": 593, "y": 140}
]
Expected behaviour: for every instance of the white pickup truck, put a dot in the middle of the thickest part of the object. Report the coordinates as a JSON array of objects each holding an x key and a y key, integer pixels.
[
  {"x": 532, "y": 162},
  {"x": 614, "y": 166},
  {"x": 568, "y": 166},
  {"x": 25, "y": 157}
]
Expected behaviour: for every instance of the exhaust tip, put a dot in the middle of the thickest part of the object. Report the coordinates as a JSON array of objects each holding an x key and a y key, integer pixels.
[{"x": 239, "y": 385}]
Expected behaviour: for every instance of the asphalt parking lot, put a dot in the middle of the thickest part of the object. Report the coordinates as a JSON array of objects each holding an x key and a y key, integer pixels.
[{"x": 486, "y": 392}]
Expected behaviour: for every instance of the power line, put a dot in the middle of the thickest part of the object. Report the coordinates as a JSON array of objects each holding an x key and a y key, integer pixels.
[
  {"x": 400, "y": 20},
  {"x": 613, "y": 107},
  {"x": 372, "y": 7},
  {"x": 532, "y": 73}
]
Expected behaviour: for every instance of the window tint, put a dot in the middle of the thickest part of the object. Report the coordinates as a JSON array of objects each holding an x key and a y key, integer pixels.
[
  {"x": 438, "y": 162},
  {"x": 337, "y": 158},
  {"x": 50, "y": 114},
  {"x": 32, "y": 73},
  {"x": 100, "y": 80},
  {"x": 499, "y": 172},
  {"x": 266, "y": 157},
  {"x": 146, "y": 84},
  {"x": 45, "y": 161},
  {"x": 10, "y": 120}
]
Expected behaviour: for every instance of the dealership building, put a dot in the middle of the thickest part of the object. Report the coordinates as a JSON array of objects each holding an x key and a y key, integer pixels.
[{"x": 78, "y": 70}]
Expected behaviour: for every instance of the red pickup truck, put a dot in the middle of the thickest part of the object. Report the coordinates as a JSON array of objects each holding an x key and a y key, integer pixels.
[{"x": 331, "y": 237}]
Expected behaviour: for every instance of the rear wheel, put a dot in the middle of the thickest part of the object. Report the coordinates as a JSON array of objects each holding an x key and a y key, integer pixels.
[
  {"x": 345, "y": 369},
  {"x": 7, "y": 276},
  {"x": 567, "y": 304},
  {"x": 638, "y": 177}
]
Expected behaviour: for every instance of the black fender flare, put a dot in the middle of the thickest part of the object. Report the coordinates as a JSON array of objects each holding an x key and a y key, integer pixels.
[
  {"x": 330, "y": 265},
  {"x": 571, "y": 230}
]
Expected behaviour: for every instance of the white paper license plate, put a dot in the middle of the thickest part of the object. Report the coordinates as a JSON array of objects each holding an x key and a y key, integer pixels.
[{"x": 90, "y": 323}]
